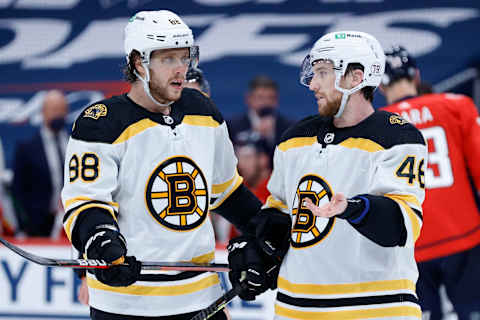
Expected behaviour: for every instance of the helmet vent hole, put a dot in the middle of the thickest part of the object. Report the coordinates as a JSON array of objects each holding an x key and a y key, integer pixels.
[
  {"x": 150, "y": 36},
  {"x": 176, "y": 42},
  {"x": 155, "y": 21}
]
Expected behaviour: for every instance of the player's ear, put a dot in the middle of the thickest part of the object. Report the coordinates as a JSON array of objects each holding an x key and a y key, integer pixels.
[
  {"x": 357, "y": 77},
  {"x": 139, "y": 67}
]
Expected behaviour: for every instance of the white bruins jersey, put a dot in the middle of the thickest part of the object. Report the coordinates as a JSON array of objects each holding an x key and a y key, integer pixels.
[
  {"x": 331, "y": 271},
  {"x": 158, "y": 176}
]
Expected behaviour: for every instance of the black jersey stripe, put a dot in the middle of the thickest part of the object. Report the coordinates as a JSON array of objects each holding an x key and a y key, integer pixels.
[
  {"x": 69, "y": 212},
  {"x": 345, "y": 302}
]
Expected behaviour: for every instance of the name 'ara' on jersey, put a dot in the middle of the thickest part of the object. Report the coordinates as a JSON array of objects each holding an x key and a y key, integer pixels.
[
  {"x": 350, "y": 268},
  {"x": 157, "y": 176}
]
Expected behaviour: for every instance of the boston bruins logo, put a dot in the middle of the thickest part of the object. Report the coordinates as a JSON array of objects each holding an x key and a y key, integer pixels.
[
  {"x": 309, "y": 229},
  {"x": 176, "y": 194}
]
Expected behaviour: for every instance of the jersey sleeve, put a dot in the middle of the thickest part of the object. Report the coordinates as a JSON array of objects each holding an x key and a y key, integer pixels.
[
  {"x": 400, "y": 176},
  {"x": 276, "y": 185},
  {"x": 470, "y": 126},
  {"x": 225, "y": 177},
  {"x": 91, "y": 170}
]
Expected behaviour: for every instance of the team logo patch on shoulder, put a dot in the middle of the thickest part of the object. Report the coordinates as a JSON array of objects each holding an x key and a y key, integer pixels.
[
  {"x": 308, "y": 229},
  {"x": 176, "y": 194},
  {"x": 394, "y": 119},
  {"x": 96, "y": 111}
]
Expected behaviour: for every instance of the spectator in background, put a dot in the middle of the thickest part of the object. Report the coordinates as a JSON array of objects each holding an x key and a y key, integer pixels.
[
  {"x": 261, "y": 116},
  {"x": 448, "y": 249},
  {"x": 195, "y": 79},
  {"x": 8, "y": 221},
  {"x": 254, "y": 167},
  {"x": 424, "y": 87},
  {"x": 38, "y": 168}
]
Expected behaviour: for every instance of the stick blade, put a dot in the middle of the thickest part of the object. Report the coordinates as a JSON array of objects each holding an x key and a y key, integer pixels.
[{"x": 27, "y": 255}]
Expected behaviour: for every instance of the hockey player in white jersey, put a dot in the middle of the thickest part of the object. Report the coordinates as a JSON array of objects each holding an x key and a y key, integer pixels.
[
  {"x": 143, "y": 170},
  {"x": 352, "y": 179}
]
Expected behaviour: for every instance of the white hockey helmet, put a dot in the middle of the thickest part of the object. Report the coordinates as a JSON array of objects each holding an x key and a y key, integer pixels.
[
  {"x": 341, "y": 49},
  {"x": 148, "y": 31}
]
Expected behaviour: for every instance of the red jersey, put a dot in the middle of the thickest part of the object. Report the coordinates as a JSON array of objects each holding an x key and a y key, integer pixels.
[{"x": 451, "y": 126}]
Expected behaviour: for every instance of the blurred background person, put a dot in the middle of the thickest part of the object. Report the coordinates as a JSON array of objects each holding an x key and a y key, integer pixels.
[
  {"x": 448, "y": 249},
  {"x": 8, "y": 220},
  {"x": 424, "y": 87},
  {"x": 261, "y": 116},
  {"x": 254, "y": 166},
  {"x": 38, "y": 169},
  {"x": 195, "y": 79}
]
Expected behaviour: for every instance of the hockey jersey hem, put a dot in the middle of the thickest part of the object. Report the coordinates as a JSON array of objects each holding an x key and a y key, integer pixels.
[{"x": 403, "y": 310}]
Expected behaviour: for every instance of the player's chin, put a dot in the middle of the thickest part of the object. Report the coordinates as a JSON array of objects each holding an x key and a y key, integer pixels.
[
  {"x": 175, "y": 94},
  {"x": 322, "y": 108}
]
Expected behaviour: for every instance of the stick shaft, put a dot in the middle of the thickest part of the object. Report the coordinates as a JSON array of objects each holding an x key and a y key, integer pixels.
[{"x": 101, "y": 264}]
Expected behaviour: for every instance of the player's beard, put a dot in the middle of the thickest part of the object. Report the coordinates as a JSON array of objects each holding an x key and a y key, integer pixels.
[
  {"x": 161, "y": 93},
  {"x": 331, "y": 107}
]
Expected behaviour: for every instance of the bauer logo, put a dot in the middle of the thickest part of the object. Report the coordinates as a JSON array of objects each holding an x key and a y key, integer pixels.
[{"x": 91, "y": 262}]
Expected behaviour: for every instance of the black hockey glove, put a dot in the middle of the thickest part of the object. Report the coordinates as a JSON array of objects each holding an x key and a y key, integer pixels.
[
  {"x": 108, "y": 244},
  {"x": 248, "y": 269},
  {"x": 272, "y": 231}
]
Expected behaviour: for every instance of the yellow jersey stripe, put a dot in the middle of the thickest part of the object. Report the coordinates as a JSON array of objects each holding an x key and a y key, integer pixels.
[
  {"x": 414, "y": 219},
  {"x": 346, "y": 288},
  {"x": 220, "y": 188},
  {"x": 408, "y": 198},
  {"x": 203, "y": 121},
  {"x": 135, "y": 129},
  {"x": 235, "y": 186},
  {"x": 71, "y": 218},
  {"x": 362, "y": 144},
  {"x": 204, "y": 258},
  {"x": 69, "y": 202},
  {"x": 274, "y": 203},
  {"x": 171, "y": 290},
  {"x": 388, "y": 312},
  {"x": 297, "y": 143}
]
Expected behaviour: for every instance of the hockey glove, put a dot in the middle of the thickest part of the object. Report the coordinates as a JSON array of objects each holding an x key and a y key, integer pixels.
[
  {"x": 247, "y": 267},
  {"x": 108, "y": 244},
  {"x": 272, "y": 231}
]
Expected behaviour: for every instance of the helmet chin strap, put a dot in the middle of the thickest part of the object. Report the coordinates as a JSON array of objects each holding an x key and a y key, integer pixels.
[
  {"x": 345, "y": 93},
  {"x": 146, "y": 87}
]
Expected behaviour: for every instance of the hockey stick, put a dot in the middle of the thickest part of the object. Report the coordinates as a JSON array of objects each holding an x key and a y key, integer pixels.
[
  {"x": 101, "y": 264},
  {"x": 222, "y": 302},
  {"x": 218, "y": 305}
]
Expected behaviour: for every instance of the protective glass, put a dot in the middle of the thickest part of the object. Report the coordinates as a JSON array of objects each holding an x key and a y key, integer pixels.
[
  {"x": 194, "y": 56},
  {"x": 306, "y": 71}
]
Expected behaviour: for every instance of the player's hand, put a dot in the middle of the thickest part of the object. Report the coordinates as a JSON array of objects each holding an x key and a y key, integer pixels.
[
  {"x": 247, "y": 267},
  {"x": 108, "y": 244},
  {"x": 335, "y": 206}
]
